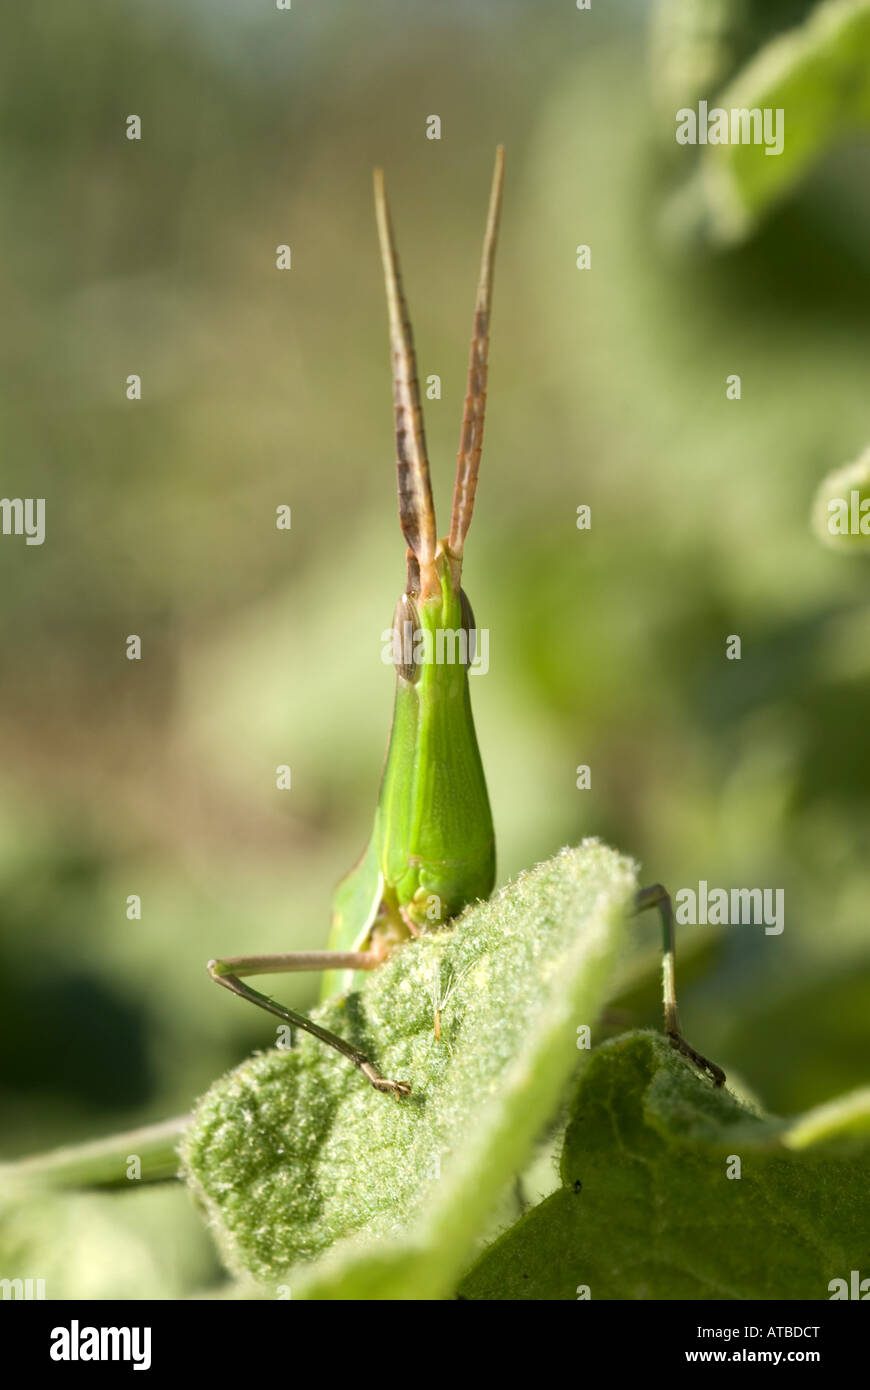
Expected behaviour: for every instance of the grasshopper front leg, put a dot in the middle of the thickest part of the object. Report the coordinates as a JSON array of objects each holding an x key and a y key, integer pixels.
[
  {"x": 229, "y": 972},
  {"x": 657, "y": 896}
]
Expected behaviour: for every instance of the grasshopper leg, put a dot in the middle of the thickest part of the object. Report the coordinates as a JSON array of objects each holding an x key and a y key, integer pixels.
[
  {"x": 657, "y": 896},
  {"x": 228, "y": 973}
]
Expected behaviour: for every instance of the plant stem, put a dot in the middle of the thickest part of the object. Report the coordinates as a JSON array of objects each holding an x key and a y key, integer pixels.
[{"x": 104, "y": 1162}]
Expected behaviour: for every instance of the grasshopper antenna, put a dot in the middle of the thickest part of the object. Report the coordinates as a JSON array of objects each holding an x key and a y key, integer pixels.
[
  {"x": 416, "y": 508},
  {"x": 471, "y": 434}
]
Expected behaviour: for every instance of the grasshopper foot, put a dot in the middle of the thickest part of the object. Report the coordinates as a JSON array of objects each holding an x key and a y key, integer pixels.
[
  {"x": 381, "y": 1083},
  {"x": 716, "y": 1074}
]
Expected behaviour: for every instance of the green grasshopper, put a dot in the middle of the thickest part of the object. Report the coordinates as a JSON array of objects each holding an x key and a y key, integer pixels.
[{"x": 432, "y": 849}]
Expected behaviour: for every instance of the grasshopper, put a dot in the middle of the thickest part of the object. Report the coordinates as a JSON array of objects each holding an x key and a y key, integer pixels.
[{"x": 432, "y": 848}]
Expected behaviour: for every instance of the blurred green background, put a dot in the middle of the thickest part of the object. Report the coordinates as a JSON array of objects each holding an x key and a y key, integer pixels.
[{"x": 262, "y": 647}]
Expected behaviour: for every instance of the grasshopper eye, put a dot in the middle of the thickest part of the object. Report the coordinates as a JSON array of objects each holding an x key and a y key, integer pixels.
[
  {"x": 468, "y": 624},
  {"x": 405, "y": 628}
]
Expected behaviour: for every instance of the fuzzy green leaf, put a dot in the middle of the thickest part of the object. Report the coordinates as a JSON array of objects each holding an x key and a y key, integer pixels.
[
  {"x": 313, "y": 1180},
  {"x": 648, "y": 1211}
]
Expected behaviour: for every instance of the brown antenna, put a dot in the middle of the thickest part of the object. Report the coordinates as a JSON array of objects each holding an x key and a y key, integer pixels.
[
  {"x": 416, "y": 508},
  {"x": 471, "y": 436}
]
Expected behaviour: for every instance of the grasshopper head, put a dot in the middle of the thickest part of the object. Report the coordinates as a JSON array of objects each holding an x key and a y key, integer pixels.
[{"x": 448, "y": 610}]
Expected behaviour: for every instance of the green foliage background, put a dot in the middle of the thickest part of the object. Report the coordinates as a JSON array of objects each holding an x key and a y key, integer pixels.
[{"x": 607, "y": 387}]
